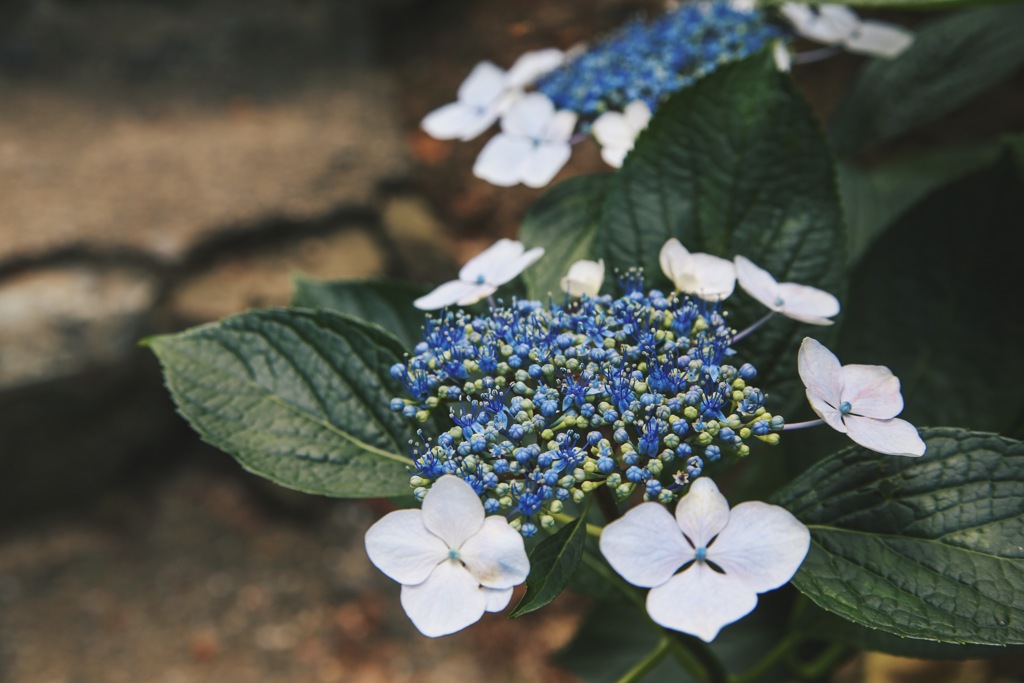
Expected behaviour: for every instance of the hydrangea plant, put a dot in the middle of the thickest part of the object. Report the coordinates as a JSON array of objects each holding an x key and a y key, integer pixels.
[{"x": 600, "y": 404}]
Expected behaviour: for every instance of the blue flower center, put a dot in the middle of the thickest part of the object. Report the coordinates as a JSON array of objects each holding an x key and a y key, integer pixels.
[
  {"x": 701, "y": 553},
  {"x": 845, "y": 408},
  {"x": 453, "y": 554},
  {"x": 481, "y": 279},
  {"x": 779, "y": 301}
]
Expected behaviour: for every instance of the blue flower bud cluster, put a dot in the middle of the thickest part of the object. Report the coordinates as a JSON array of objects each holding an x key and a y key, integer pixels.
[
  {"x": 546, "y": 404},
  {"x": 650, "y": 61}
]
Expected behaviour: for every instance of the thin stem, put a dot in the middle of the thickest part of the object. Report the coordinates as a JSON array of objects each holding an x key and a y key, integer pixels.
[
  {"x": 815, "y": 55},
  {"x": 802, "y": 425},
  {"x": 744, "y": 333},
  {"x": 817, "y": 668},
  {"x": 647, "y": 664},
  {"x": 713, "y": 671},
  {"x": 490, "y": 302},
  {"x": 761, "y": 669},
  {"x": 562, "y": 518}
]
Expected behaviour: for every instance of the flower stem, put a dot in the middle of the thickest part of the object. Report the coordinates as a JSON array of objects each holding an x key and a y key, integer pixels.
[
  {"x": 562, "y": 518},
  {"x": 744, "y": 333},
  {"x": 647, "y": 664},
  {"x": 802, "y": 425},
  {"x": 815, "y": 55},
  {"x": 769, "y": 661},
  {"x": 830, "y": 658}
]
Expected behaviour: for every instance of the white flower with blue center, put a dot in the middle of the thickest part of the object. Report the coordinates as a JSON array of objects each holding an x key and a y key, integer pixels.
[
  {"x": 706, "y": 566},
  {"x": 840, "y": 25},
  {"x": 709, "y": 277},
  {"x": 482, "y": 275},
  {"x": 488, "y": 91},
  {"x": 584, "y": 278},
  {"x": 799, "y": 302},
  {"x": 861, "y": 401},
  {"x": 454, "y": 563},
  {"x": 616, "y": 132},
  {"x": 532, "y": 147}
]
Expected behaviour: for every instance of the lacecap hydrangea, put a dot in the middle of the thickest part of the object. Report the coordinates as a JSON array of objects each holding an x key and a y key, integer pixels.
[{"x": 547, "y": 403}]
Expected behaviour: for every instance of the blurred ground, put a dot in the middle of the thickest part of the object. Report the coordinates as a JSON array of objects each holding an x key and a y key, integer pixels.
[{"x": 169, "y": 162}]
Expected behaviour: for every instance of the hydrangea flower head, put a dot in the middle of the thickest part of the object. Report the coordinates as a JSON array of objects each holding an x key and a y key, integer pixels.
[
  {"x": 706, "y": 566},
  {"x": 861, "y": 401},
  {"x": 454, "y": 563},
  {"x": 542, "y": 404}
]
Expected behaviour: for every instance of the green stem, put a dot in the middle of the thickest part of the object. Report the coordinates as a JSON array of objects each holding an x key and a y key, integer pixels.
[
  {"x": 769, "y": 661},
  {"x": 562, "y": 518},
  {"x": 647, "y": 664},
  {"x": 816, "y": 669},
  {"x": 712, "y": 669}
]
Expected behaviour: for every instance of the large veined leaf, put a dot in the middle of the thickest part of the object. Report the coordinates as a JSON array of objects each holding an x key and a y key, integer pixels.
[
  {"x": 564, "y": 222},
  {"x": 952, "y": 60},
  {"x": 937, "y": 300},
  {"x": 297, "y": 396},
  {"x": 929, "y": 548},
  {"x": 735, "y": 165},
  {"x": 387, "y": 303}
]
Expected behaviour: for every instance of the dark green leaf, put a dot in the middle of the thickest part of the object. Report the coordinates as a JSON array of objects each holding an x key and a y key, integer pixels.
[
  {"x": 564, "y": 222},
  {"x": 816, "y": 623},
  {"x": 735, "y": 165},
  {"x": 952, "y": 60},
  {"x": 908, "y": 4},
  {"x": 935, "y": 300},
  {"x": 385, "y": 302},
  {"x": 928, "y": 548},
  {"x": 297, "y": 396},
  {"x": 552, "y": 564},
  {"x": 874, "y": 198}
]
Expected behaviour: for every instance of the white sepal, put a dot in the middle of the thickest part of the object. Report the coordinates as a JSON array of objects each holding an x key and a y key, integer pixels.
[{"x": 584, "y": 278}]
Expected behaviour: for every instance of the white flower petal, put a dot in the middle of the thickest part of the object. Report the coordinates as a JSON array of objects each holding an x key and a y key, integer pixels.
[
  {"x": 780, "y": 53},
  {"x": 497, "y": 598},
  {"x": 872, "y": 391},
  {"x": 532, "y": 65},
  {"x": 757, "y": 282},
  {"x": 615, "y": 156},
  {"x": 480, "y": 268},
  {"x": 400, "y": 546},
  {"x": 810, "y": 25},
  {"x": 638, "y": 114},
  {"x": 529, "y": 116},
  {"x": 612, "y": 129},
  {"x": 480, "y": 293},
  {"x": 584, "y": 278},
  {"x": 715, "y": 277},
  {"x": 544, "y": 163},
  {"x": 448, "y": 601},
  {"x": 807, "y": 304},
  {"x": 703, "y": 512},
  {"x": 511, "y": 268},
  {"x": 484, "y": 84},
  {"x": 447, "y": 294},
  {"x": 495, "y": 555},
  {"x": 458, "y": 121},
  {"x": 892, "y": 437},
  {"x": 674, "y": 259},
  {"x": 827, "y": 412},
  {"x": 644, "y": 545},
  {"x": 762, "y": 545},
  {"x": 561, "y": 127},
  {"x": 879, "y": 39},
  {"x": 452, "y": 511},
  {"x": 501, "y": 159},
  {"x": 840, "y": 18},
  {"x": 820, "y": 372},
  {"x": 700, "y": 601}
]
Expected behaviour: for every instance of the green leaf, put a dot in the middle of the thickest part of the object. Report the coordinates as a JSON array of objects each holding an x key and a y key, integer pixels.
[
  {"x": 735, "y": 165},
  {"x": 297, "y": 396},
  {"x": 564, "y": 222},
  {"x": 952, "y": 60},
  {"x": 874, "y": 198},
  {"x": 552, "y": 564},
  {"x": 387, "y": 303},
  {"x": 934, "y": 300},
  {"x": 817, "y": 624},
  {"x": 928, "y": 548},
  {"x": 906, "y": 4}
]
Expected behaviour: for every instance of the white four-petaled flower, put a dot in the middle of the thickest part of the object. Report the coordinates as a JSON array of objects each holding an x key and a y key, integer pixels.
[
  {"x": 840, "y": 25},
  {"x": 488, "y": 91},
  {"x": 706, "y": 566},
  {"x": 584, "y": 278},
  {"x": 707, "y": 276},
  {"x": 531, "y": 148},
  {"x": 482, "y": 275},
  {"x": 799, "y": 302},
  {"x": 616, "y": 131},
  {"x": 454, "y": 563},
  {"x": 861, "y": 401}
]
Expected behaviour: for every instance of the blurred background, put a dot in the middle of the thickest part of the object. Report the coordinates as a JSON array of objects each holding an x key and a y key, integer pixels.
[{"x": 165, "y": 163}]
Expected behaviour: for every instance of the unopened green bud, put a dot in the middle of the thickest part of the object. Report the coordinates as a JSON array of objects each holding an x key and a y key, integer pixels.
[
  {"x": 623, "y": 491},
  {"x": 590, "y": 467},
  {"x": 547, "y": 522},
  {"x": 588, "y": 486},
  {"x": 655, "y": 467},
  {"x": 417, "y": 481},
  {"x": 522, "y": 376},
  {"x": 516, "y": 523},
  {"x": 705, "y": 439},
  {"x": 770, "y": 439},
  {"x": 555, "y": 506},
  {"x": 505, "y": 502},
  {"x": 422, "y": 415},
  {"x": 547, "y": 435},
  {"x": 578, "y": 474},
  {"x": 640, "y": 387},
  {"x": 572, "y": 364},
  {"x": 614, "y": 479},
  {"x": 502, "y": 489},
  {"x": 548, "y": 369},
  {"x": 670, "y": 441},
  {"x": 690, "y": 413},
  {"x": 745, "y": 433},
  {"x": 432, "y": 401},
  {"x": 743, "y": 451},
  {"x": 578, "y": 496}
]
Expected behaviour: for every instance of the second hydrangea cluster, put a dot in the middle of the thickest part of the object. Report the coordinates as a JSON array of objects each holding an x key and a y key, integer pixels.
[{"x": 548, "y": 403}]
